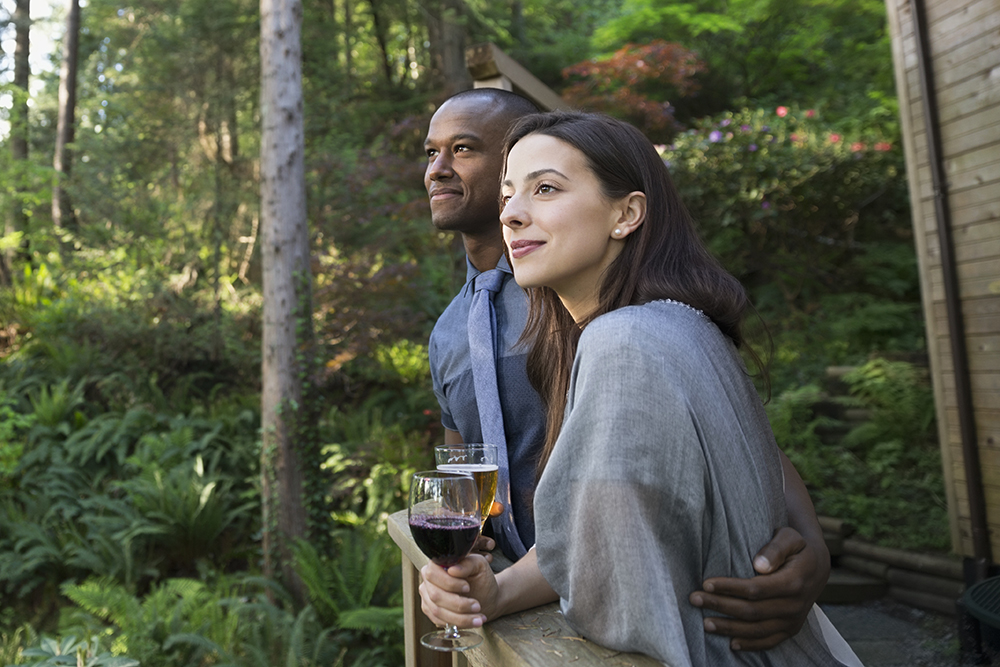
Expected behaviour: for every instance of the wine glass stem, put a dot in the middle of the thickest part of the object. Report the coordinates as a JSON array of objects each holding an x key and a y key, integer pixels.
[{"x": 451, "y": 631}]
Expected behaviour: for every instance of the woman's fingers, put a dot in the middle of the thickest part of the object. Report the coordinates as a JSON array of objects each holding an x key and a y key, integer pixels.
[{"x": 443, "y": 604}]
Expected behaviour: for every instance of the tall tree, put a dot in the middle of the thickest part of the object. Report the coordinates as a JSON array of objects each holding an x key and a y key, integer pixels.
[
  {"x": 62, "y": 211},
  {"x": 287, "y": 285},
  {"x": 18, "y": 221},
  {"x": 446, "y": 34}
]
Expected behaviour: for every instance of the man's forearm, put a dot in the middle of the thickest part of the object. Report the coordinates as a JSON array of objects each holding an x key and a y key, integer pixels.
[{"x": 802, "y": 514}]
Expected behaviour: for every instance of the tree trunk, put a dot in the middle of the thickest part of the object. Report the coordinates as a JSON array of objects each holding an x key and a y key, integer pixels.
[
  {"x": 383, "y": 44},
  {"x": 517, "y": 22},
  {"x": 287, "y": 285},
  {"x": 348, "y": 41},
  {"x": 18, "y": 221},
  {"x": 446, "y": 32},
  {"x": 62, "y": 212}
]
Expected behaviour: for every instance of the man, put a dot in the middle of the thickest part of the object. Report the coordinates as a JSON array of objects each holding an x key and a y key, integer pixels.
[{"x": 464, "y": 162}]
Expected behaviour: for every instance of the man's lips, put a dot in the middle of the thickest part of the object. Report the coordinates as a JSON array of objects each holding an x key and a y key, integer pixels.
[
  {"x": 522, "y": 247},
  {"x": 444, "y": 193}
]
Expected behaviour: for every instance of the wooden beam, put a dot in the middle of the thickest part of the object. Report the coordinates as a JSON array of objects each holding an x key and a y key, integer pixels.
[{"x": 492, "y": 68}]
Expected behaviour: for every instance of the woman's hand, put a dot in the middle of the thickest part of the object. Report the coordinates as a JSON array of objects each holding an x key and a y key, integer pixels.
[
  {"x": 464, "y": 595},
  {"x": 469, "y": 594}
]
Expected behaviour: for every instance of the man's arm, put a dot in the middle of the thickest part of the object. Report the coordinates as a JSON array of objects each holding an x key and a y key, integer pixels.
[
  {"x": 453, "y": 437},
  {"x": 793, "y": 569}
]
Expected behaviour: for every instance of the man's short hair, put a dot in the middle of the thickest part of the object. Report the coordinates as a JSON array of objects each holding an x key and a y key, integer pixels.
[{"x": 511, "y": 105}]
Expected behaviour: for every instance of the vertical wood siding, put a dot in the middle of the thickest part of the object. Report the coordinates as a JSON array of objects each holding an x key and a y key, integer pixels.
[{"x": 964, "y": 37}]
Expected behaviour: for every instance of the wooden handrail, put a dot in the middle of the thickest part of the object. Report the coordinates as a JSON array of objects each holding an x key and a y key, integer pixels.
[{"x": 538, "y": 637}]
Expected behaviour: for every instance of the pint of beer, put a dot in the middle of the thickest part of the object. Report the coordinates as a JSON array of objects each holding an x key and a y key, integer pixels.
[{"x": 478, "y": 460}]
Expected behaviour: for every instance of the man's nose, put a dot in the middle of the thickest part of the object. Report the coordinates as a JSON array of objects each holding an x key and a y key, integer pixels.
[{"x": 440, "y": 167}]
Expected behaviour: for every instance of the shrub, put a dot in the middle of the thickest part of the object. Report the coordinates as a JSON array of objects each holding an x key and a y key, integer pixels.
[
  {"x": 884, "y": 476},
  {"x": 815, "y": 223}
]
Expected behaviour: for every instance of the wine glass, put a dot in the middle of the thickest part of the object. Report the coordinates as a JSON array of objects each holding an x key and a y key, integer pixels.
[
  {"x": 476, "y": 459},
  {"x": 445, "y": 520}
]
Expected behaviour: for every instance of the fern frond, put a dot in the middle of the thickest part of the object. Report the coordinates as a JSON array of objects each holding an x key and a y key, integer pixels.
[{"x": 376, "y": 620}]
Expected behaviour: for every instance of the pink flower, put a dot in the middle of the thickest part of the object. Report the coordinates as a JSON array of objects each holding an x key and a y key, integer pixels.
[
  {"x": 782, "y": 111},
  {"x": 795, "y": 137},
  {"x": 811, "y": 113},
  {"x": 883, "y": 146},
  {"x": 857, "y": 146},
  {"x": 834, "y": 138}
]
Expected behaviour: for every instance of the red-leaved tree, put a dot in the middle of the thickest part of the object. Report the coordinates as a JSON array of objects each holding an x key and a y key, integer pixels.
[{"x": 637, "y": 84}]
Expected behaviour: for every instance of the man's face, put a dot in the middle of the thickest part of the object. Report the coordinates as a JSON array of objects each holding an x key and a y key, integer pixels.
[{"x": 463, "y": 146}]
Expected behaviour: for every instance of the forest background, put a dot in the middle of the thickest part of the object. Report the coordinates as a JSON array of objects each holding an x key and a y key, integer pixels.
[{"x": 130, "y": 293}]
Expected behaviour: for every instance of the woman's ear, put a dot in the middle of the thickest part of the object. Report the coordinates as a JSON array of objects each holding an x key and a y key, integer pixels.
[{"x": 633, "y": 213}]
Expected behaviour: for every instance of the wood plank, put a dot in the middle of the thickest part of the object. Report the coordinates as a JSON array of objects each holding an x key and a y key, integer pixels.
[
  {"x": 985, "y": 388},
  {"x": 970, "y": 242},
  {"x": 951, "y": 30},
  {"x": 959, "y": 102},
  {"x": 487, "y": 62},
  {"x": 973, "y": 205},
  {"x": 969, "y": 224},
  {"x": 987, "y": 426},
  {"x": 983, "y": 354},
  {"x": 972, "y": 308},
  {"x": 972, "y": 133},
  {"x": 954, "y": 81},
  {"x": 985, "y": 176},
  {"x": 953, "y": 53},
  {"x": 976, "y": 279},
  {"x": 960, "y": 169},
  {"x": 533, "y": 638}
]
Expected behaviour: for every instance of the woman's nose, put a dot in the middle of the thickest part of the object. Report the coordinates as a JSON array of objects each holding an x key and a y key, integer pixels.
[{"x": 512, "y": 214}]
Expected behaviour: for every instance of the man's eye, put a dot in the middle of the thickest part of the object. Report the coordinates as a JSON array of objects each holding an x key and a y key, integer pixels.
[{"x": 431, "y": 152}]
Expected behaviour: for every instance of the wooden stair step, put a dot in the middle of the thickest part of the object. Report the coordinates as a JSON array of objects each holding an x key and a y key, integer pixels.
[{"x": 847, "y": 587}]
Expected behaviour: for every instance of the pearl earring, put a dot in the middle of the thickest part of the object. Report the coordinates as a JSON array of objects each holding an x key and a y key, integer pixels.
[{"x": 618, "y": 232}]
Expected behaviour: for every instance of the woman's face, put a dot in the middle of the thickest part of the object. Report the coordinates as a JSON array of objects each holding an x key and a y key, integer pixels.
[{"x": 558, "y": 226}]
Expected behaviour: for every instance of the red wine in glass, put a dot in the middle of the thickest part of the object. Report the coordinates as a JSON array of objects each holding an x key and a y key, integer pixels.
[
  {"x": 445, "y": 540},
  {"x": 445, "y": 520}
]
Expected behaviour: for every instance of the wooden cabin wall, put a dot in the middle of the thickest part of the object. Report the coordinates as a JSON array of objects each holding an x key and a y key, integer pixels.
[{"x": 964, "y": 38}]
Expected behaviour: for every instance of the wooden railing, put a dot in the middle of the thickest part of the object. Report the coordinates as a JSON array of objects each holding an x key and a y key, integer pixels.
[{"x": 534, "y": 638}]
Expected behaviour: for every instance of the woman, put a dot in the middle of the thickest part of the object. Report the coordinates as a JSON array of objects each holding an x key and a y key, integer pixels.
[{"x": 659, "y": 467}]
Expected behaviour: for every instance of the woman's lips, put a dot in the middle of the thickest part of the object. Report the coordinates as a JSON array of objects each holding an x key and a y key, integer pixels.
[{"x": 519, "y": 249}]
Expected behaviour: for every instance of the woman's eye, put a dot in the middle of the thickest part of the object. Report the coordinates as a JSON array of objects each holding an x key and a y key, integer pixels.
[
  {"x": 504, "y": 199},
  {"x": 545, "y": 189}
]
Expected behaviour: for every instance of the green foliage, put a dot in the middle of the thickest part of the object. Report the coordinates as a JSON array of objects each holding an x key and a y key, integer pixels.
[
  {"x": 77, "y": 653},
  {"x": 351, "y": 590},
  {"x": 786, "y": 186},
  {"x": 829, "y": 54},
  {"x": 13, "y": 643},
  {"x": 884, "y": 476},
  {"x": 119, "y": 496}
]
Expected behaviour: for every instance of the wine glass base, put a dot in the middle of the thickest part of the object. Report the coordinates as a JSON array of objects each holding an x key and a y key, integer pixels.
[{"x": 461, "y": 640}]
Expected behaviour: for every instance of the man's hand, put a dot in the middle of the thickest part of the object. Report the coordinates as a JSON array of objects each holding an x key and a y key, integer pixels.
[{"x": 767, "y": 609}]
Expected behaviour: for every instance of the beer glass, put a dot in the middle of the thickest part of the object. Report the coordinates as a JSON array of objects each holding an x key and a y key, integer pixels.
[
  {"x": 476, "y": 459},
  {"x": 445, "y": 520}
]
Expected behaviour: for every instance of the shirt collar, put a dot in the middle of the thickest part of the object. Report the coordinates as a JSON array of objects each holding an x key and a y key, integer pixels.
[{"x": 471, "y": 272}]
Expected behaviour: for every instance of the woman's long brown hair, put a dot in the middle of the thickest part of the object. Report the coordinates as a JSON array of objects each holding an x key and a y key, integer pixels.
[{"x": 664, "y": 258}]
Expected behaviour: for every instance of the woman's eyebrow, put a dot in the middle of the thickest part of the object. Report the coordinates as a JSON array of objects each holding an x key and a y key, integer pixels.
[{"x": 535, "y": 174}]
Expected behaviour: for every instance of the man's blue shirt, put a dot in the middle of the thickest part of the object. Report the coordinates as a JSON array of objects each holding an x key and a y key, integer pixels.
[{"x": 523, "y": 412}]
